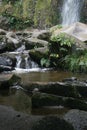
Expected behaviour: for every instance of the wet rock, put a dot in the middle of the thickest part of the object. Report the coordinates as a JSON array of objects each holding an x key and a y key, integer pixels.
[
  {"x": 77, "y": 118},
  {"x": 31, "y": 43},
  {"x": 5, "y": 68},
  {"x": 69, "y": 79},
  {"x": 14, "y": 120},
  {"x": 76, "y": 30},
  {"x": 2, "y": 32},
  {"x": 8, "y": 41},
  {"x": 4, "y": 47},
  {"x": 51, "y": 123},
  {"x": 81, "y": 86},
  {"x": 37, "y": 54},
  {"x": 10, "y": 80},
  {"x": 43, "y": 99},
  {"x": 11, "y": 37},
  {"x": 6, "y": 62},
  {"x": 57, "y": 88}
]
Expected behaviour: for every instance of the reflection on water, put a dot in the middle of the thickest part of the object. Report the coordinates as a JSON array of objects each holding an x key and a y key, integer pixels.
[
  {"x": 17, "y": 99},
  {"x": 20, "y": 101},
  {"x": 48, "y": 76},
  {"x": 50, "y": 111}
]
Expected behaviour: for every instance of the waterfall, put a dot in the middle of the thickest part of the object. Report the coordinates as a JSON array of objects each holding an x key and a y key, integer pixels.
[
  {"x": 18, "y": 61},
  {"x": 24, "y": 61},
  {"x": 71, "y": 11}
]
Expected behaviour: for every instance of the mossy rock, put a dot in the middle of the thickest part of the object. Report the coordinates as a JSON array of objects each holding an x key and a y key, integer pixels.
[
  {"x": 43, "y": 99},
  {"x": 37, "y": 56},
  {"x": 56, "y": 88}
]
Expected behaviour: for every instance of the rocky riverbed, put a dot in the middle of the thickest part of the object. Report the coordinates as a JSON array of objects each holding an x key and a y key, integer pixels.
[
  {"x": 28, "y": 49},
  {"x": 70, "y": 107}
]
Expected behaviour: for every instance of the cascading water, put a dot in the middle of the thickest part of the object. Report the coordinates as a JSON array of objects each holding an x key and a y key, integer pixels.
[
  {"x": 71, "y": 11},
  {"x": 24, "y": 61},
  {"x": 18, "y": 61}
]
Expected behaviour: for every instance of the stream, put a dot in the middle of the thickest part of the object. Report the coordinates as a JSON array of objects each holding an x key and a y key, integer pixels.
[{"x": 21, "y": 101}]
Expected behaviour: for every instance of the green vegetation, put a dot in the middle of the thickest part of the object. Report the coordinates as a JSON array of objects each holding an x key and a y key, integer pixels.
[
  {"x": 45, "y": 62},
  {"x": 62, "y": 56},
  {"x": 59, "y": 47},
  {"x": 76, "y": 62},
  {"x": 43, "y": 14},
  {"x": 63, "y": 40},
  {"x": 17, "y": 23}
]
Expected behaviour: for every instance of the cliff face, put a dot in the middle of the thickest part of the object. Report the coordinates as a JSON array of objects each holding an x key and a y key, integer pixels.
[
  {"x": 44, "y": 13},
  {"x": 47, "y": 13}
]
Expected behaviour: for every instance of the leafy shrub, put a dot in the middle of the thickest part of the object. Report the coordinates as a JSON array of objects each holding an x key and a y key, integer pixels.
[
  {"x": 16, "y": 22},
  {"x": 63, "y": 40},
  {"x": 76, "y": 62},
  {"x": 59, "y": 47},
  {"x": 61, "y": 44},
  {"x": 45, "y": 62}
]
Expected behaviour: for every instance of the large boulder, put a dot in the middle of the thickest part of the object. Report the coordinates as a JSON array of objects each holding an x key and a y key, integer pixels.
[
  {"x": 11, "y": 119},
  {"x": 9, "y": 41},
  {"x": 77, "y": 118},
  {"x": 77, "y": 30},
  {"x": 38, "y": 53},
  {"x": 31, "y": 43},
  {"x": 6, "y": 62},
  {"x": 57, "y": 88},
  {"x": 43, "y": 100},
  {"x": 51, "y": 123},
  {"x": 11, "y": 37}
]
